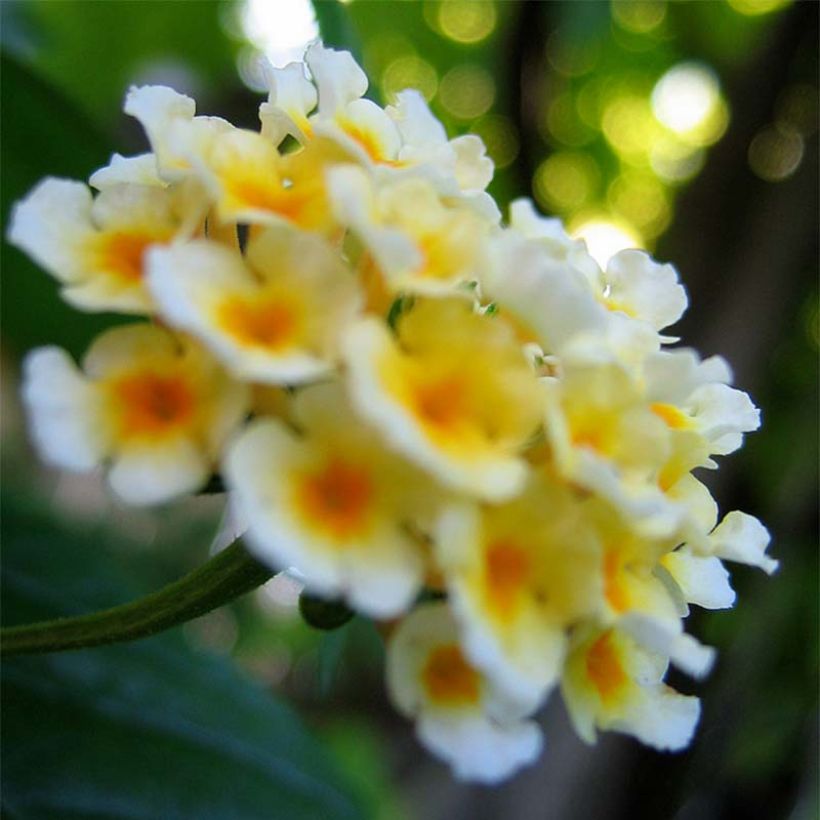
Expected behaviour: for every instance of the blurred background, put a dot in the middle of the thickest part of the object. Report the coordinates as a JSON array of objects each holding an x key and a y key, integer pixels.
[{"x": 687, "y": 128}]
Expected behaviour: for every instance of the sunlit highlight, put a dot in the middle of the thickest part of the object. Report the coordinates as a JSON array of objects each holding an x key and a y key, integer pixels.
[
  {"x": 281, "y": 30},
  {"x": 604, "y": 237},
  {"x": 685, "y": 97}
]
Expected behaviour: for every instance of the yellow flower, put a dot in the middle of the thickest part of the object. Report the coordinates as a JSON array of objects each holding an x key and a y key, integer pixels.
[
  {"x": 605, "y": 438},
  {"x": 331, "y": 502},
  {"x": 419, "y": 243},
  {"x": 452, "y": 391},
  {"x": 250, "y": 181},
  {"x": 518, "y": 575},
  {"x": 611, "y": 683},
  {"x": 273, "y": 316},
  {"x": 157, "y": 407}
]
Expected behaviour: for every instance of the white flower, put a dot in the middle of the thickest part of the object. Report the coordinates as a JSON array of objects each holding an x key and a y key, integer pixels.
[
  {"x": 460, "y": 716},
  {"x": 158, "y": 408},
  {"x": 96, "y": 247}
]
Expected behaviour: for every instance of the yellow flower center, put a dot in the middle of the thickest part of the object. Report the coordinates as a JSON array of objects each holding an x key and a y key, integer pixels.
[
  {"x": 367, "y": 141},
  {"x": 675, "y": 418},
  {"x": 449, "y": 679}
]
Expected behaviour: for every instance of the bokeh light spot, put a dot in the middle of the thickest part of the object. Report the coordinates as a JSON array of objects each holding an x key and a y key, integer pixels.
[
  {"x": 775, "y": 153},
  {"x": 571, "y": 57},
  {"x": 675, "y": 161},
  {"x": 685, "y": 97},
  {"x": 383, "y": 49},
  {"x": 467, "y": 91},
  {"x": 410, "y": 72},
  {"x": 755, "y": 7},
  {"x": 466, "y": 21},
  {"x": 563, "y": 122},
  {"x": 565, "y": 181},
  {"x": 638, "y": 16},
  {"x": 628, "y": 125},
  {"x": 642, "y": 201}
]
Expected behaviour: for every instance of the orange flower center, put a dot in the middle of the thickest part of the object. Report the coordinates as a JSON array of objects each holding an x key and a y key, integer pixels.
[
  {"x": 121, "y": 254},
  {"x": 604, "y": 668},
  {"x": 507, "y": 569},
  {"x": 442, "y": 403},
  {"x": 449, "y": 679},
  {"x": 290, "y": 203},
  {"x": 264, "y": 323},
  {"x": 614, "y": 590},
  {"x": 150, "y": 404},
  {"x": 337, "y": 499}
]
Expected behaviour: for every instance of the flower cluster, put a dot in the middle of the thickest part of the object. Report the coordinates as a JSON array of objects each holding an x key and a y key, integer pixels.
[{"x": 467, "y": 430}]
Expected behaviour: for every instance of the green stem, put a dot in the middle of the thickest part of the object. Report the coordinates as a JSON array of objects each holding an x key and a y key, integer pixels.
[{"x": 231, "y": 573}]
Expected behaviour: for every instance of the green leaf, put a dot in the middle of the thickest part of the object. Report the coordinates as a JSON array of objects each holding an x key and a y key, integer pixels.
[
  {"x": 145, "y": 730},
  {"x": 92, "y": 52}
]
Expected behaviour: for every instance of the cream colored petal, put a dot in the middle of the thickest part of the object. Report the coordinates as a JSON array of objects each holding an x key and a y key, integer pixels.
[
  {"x": 661, "y": 718},
  {"x": 703, "y": 579},
  {"x": 52, "y": 225},
  {"x": 137, "y": 170},
  {"x": 480, "y": 750},
  {"x": 131, "y": 207},
  {"x": 554, "y": 303},
  {"x": 290, "y": 99},
  {"x": 351, "y": 195},
  {"x": 473, "y": 168},
  {"x": 647, "y": 290},
  {"x": 338, "y": 78},
  {"x": 419, "y": 129},
  {"x": 673, "y": 375},
  {"x": 120, "y": 347},
  {"x": 65, "y": 412},
  {"x": 100, "y": 294},
  {"x": 156, "y": 474},
  {"x": 157, "y": 107},
  {"x": 742, "y": 538},
  {"x": 723, "y": 414},
  {"x": 665, "y": 636}
]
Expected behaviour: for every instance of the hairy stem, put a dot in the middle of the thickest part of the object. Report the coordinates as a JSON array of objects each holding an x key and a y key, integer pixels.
[{"x": 226, "y": 576}]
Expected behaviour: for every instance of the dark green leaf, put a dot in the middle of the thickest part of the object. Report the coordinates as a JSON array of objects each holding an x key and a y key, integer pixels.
[
  {"x": 43, "y": 136},
  {"x": 144, "y": 730}
]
